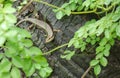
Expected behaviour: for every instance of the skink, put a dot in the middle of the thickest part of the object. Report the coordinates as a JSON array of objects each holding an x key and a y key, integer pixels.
[{"x": 41, "y": 24}]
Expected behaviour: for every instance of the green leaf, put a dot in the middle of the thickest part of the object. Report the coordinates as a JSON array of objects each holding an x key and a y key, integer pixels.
[
  {"x": 106, "y": 53},
  {"x": 65, "y": 5},
  {"x": 30, "y": 71},
  {"x": 37, "y": 66},
  {"x": 97, "y": 69},
  {"x": 72, "y": 6},
  {"x": 93, "y": 41},
  {"x": 28, "y": 66},
  {"x": 68, "y": 10},
  {"x": 94, "y": 62},
  {"x": 76, "y": 44},
  {"x": 15, "y": 73},
  {"x": 83, "y": 48},
  {"x": 86, "y": 3},
  {"x": 45, "y": 72},
  {"x": 98, "y": 56},
  {"x": 2, "y": 40},
  {"x": 1, "y": 17},
  {"x": 112, "y": 42},
  {"x": 1, "y": 55},
  {"x": 103, "y": 61},
  {"x": 10, "y": 18},
  {"x": 5, "y": 75},
  {"x": 68, "y": 54},
  {"x": 80, "y": 8},
  {"x": 116, "y": 17},
  {"x": 99, "y": 49},
  {"x": 88, "y": 39},
  {"x": 8, "y": 8},
  {"x": 11, "y": 34},
  {"x": 118, "y": 30},
  {"x": 27, "y": 42},
  {"x": 22, "y": 33},
  {"x": 1, "y": 1},
  {"x": 107, "y": 2},
  {"x": 100, "y": 30},
  {"x": 17, "y": 61},
  {"x": 41, "y": 60},
  {"x": 59, "y": 14},
  {"x": 5, "y": 65},
  {"x": 4, "y": 26},
  {"x": 34, "y": 51},
  {"x": 107, "y": 34},
  {"x": 71, "y": 42},
  {"x": 107, "y": 47},
  {"x": 103, "y": 41}
]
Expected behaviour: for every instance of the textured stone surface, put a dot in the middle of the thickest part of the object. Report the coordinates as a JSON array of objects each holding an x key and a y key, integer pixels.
[{"x": 67, "y": 26}]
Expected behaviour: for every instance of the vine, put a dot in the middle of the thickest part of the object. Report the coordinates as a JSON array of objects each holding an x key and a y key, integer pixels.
[
  {"x": 18, "y": 55},
  {"x": 104, "y": 31}
]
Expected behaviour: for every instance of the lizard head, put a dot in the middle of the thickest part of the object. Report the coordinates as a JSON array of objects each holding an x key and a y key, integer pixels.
[{"x": 49, "y": 39}]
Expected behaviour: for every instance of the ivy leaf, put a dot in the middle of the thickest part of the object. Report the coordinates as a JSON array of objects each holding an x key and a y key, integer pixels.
[
  {"x": 76, "y": 44},
  {"x": 93, "y": 41},
  {"x": 28, "y": 67},
  {"x": 15, "y": 73},
  {"x": 107, "y": 2},
  {"x": 22, "y": 33},
  {"x": 80, "y": 8},
  {"x": 99, "y": 55},
  {"x": 8, "y": 8},
  {"x": 65, "y": 5},
  {"x": 17, "y": 61},
  {"x": 59, "y": 14},
  {"x": 68, "y": 10},
  {"x": 72, "y": 6},
  {"x": 97, "y": 69},
  {"x": 107, "y": 34},
  {"x": 103, "y": 41},
  {"x": 103, "y": 61},
  {"x": 1, "y": 1},
  {"x": 5, "y": 75},
  {"x": 71, "y": 42},
  {"x": 10, "y": 18},
  {"x": 106, "y": 53},
  {"x": 116, "y": 17},
  {"x": 29, "y": 71},
  {"x": 118, "y": 30},
  {"x": 37, "y": 66},
  {"x": 34, "y": 51},
  {"x": 1, "y": 55},
  {"x": 45, "y": 72},
  {"x": 27, "y": 42},
  {"x": 112, "y": 41},
  {"x": 99, "y": 49},
  {"x": 94, "y": 62},
  {"x": 86, "y": 3},
  {"x": 1, "y": 17},
  {"x": 5, "y": 65},
  {"x": 11, "y": 34},
  {"x": 2, "y": 40},
  {"x": 100, "y": 30},
  {"x": 4, "y": 26},
  {"x": 41, "y": 60},
  {"x": 68, "y": 54}
]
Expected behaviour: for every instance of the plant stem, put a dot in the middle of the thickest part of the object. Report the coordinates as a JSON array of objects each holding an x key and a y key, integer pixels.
[
  {"x": 53, "y": 6},
  {"x": 85, "y": 73},
  {"x": 55, "y": 49}
]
